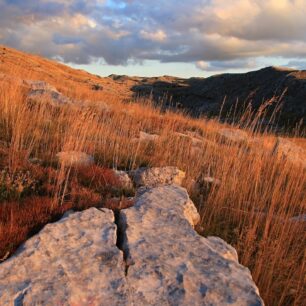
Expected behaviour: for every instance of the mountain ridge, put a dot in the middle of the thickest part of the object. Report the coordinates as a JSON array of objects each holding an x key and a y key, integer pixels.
[{"x": 197, "y": 96}]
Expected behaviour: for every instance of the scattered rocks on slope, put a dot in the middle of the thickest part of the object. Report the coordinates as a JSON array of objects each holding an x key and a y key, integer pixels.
[
  {"x": 72, "y": 262},
  {"x": 75, "y": 158},
  {"x": 170, "y": 264},
  {"x": 151, "y": 177}
]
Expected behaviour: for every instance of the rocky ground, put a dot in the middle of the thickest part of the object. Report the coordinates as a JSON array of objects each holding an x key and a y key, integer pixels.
[
  {"x": 63, "y": 132},
  {"x": 148, "y": 254}
]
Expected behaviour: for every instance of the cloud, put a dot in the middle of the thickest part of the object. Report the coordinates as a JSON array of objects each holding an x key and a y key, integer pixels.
[
  {"x": 226, "y": 65},
  {"x": 158, "y": 36},
  {"x": 301, "y": 65},
  {"x": 214, "y": 34}
]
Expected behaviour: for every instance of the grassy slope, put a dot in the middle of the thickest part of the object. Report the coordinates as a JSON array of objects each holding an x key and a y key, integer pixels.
[{"x": 251, "y": 209}]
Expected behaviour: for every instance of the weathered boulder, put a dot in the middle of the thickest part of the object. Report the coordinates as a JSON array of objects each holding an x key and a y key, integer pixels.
[
  {"x": 170, "y": 264},
  {"x": 41, "y": 90},
  {"x": 75, "y": 158},
  {"x": 289, "y": 150},
  {"x": 157, "y": 176},
  {"x": 72, "y": 262},
  {"x": 124, "y": 179}
]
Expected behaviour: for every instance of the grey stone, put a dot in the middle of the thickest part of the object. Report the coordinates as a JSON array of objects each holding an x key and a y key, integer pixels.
[
  {"x": 124, "y": 179},
  {"x": 153, "y": 257},
  {"x": 71, "y": 262},
  {"x": 40, "y": 90},
  {"x": 157, "y": 176},
  {"x": 170, "y": 264}
]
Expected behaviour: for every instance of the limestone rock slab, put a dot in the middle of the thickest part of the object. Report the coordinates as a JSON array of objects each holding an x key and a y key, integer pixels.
[
  {"x": 170, "y": 264},
  {"x": 71, "y": 262}
]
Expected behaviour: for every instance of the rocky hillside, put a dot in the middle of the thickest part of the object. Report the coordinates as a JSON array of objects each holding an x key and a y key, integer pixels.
[
  {"x": 70, "y": 140},
  {"x": 277, "y": 88},
  {"x": 148, "y": 254},
  {"x": 205, "y": 96}
]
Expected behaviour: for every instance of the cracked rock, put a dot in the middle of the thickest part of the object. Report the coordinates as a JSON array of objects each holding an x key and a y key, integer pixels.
[
  {"x": 152, "y": 257},
  {"x": 71, "y": 262},
  {"x": 170, "y": 264}
]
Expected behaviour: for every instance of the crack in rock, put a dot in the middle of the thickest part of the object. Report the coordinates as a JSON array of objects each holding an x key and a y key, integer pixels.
[
  {"x": 148, "y": 254},
  {"x": 121, "y": 238},
  {"x": 172, "y": 264}
]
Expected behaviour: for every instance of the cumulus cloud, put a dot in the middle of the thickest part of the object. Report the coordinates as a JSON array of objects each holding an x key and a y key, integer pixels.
[{"x": 213, "y": 34}]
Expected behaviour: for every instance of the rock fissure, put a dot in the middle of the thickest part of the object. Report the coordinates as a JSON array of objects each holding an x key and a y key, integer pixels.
[
  {"x": 121, "y": 238},
  {"x": 148, "y": 254}
]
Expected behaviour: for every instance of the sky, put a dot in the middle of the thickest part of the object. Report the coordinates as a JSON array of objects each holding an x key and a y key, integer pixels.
[{"x": 162, "y": 37}]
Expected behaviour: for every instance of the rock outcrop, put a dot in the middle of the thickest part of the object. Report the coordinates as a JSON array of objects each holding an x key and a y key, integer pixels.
[
  {"x": 148, "y": 254},
  {"x": 151, "y": 177},
  {"x": 40, "y": 90},
  {"x": 170, "y": 264},
  {"x": 72, "y": 262}
]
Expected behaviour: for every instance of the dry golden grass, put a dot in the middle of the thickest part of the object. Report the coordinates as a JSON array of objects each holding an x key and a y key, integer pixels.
[{"x": 251, "y": 208}]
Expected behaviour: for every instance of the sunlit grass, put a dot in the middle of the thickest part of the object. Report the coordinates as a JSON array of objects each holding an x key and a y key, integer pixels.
[{"x": 251, "y": 208}]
